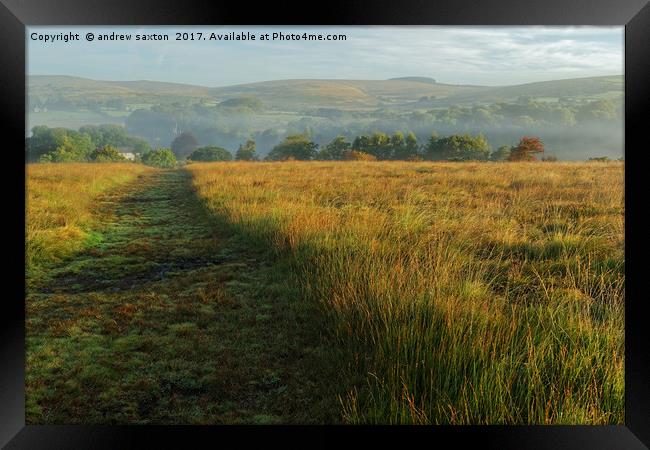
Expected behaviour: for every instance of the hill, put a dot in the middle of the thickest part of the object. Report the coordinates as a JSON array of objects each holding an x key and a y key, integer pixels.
[
  {"x": 564, "y": 112},
  {"x": 64, "y": 92},
  {"x": 591, "y": 87}
]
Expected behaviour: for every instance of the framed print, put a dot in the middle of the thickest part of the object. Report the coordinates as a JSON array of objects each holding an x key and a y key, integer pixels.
[{"x": 368, "y": 221}]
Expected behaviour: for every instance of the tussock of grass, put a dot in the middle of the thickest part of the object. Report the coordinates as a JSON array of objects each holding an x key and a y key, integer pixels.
[{"x": 449, "y": 293}]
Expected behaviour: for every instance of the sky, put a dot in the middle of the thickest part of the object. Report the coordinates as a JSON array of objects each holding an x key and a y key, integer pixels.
[{"x": 479, "y": 55}]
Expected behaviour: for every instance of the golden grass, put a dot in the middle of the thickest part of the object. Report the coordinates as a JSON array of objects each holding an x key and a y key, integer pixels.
[
  {"x": 463, "y": 293},
  {"x": 60, "y": 205}
]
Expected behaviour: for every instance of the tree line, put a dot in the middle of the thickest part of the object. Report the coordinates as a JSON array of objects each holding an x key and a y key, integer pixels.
[
  {"x": 89, "y": 143},
  {"x": 377, "y": 146},
  {"x": 570, "y": 122},
  {"x": 109, "y": 143},
  {"x": 398, "y": 147}
]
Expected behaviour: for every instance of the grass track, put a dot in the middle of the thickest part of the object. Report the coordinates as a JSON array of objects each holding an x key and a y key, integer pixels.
[{"x": 167, "y": 318}]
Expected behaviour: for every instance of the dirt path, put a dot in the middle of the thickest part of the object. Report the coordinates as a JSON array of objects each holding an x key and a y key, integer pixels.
[{"x": 167, "y": 319}]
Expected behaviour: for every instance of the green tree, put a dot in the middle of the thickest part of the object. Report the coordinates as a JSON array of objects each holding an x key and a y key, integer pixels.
[
  {"x": 160, "y": 157},
  {"x": 398, "y": 146},
  {"x": 429, "y": 149},
  {"x": 404, "y": 148},
  {"x": 107, "y": 153},
  {"x": 380, "y": 146},
  {"x": 297, "y": 146},
  {"x": 246, "y": 152},
  {"x": 412, "y": 147},
  {"x": 458, "y": 147},
  {"x": 114, "y": 135},
  {"x": 501, "y": 154},
  {"x": 61, "y": 144},
  {"x": 184, "y": 144},
  {"x": 335, "y": 149},
  {"x": 73, "y": 148},
  {"x": 210, "y": 153}
]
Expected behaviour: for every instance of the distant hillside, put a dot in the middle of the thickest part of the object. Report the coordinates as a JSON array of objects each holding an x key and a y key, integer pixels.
[
  {"x": 293, "y": 95},
  {"x": 566, "y": 113},
  {"x": 78, "y": 84},
  {"x": 43, "y": 89},
  {"x": 574, "y": 88},
  {"x": 418, "y": 79},
  {"x": 344, "y": 94}
]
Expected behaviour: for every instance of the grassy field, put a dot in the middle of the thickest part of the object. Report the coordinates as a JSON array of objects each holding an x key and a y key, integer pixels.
[
  {"x": 453, "y": 293},
  {"x": 59, "y": 206},
  {"x": 164, "y": 316},
  {"x": 353, "y": 292}
]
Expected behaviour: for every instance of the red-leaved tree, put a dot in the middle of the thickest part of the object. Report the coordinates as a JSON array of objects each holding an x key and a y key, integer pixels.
[{"x": 526, "y": 149}]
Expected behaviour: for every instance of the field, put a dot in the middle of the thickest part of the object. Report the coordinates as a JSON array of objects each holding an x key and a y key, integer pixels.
[
  {"x": 382, "y": 292},
  {"x": 59, "y": 206}
]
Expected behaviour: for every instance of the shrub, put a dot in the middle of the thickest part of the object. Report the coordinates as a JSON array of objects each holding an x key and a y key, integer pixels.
[
  {"x": 70, "y": 150},
  {"x": 107, "y": 153}
]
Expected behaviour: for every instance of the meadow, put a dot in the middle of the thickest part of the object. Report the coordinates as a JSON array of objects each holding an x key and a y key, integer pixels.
[
  {"x": 59, "y": 205},
  {"x": 326, "y": 292},
  {"x": 466, "y": 293}
]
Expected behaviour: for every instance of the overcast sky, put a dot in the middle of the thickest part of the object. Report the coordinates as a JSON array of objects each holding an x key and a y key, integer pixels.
[{"x": 457, "y": 55}]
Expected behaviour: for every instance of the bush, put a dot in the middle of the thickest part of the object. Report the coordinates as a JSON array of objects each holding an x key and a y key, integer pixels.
[
  {"x": 107, "y": 153},
  {"x": 70, "y": 150},
  {"x": 161, "y": 157},
  {"x": 549, "y": 158},
  {"x": 210, "y": 153}
]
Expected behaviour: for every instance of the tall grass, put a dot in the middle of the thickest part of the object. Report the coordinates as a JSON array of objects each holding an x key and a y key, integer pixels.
[
  {"x": 60, "y": 204},
  {"x": 451, "y": 293}
]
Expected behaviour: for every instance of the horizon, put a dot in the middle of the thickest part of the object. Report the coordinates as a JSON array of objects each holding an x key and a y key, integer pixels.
[
  {"x": 402, "y": 78},
  {"x": 476, "y": 55}
]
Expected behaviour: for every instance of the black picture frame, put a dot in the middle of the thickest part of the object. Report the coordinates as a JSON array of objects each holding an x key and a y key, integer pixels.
[{"x": 16, "y": 14}]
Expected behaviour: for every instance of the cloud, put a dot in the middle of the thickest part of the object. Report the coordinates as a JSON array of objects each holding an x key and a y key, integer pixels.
[{"x": 463, "y": 55}]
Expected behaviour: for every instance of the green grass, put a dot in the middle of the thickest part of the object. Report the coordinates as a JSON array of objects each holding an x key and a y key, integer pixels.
[
  {"x": 59, "y": 204},
  {"x": 167, "y": 319},
  {"x": 384, "y": 292},
  {"x": 454, "y": 293}
]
